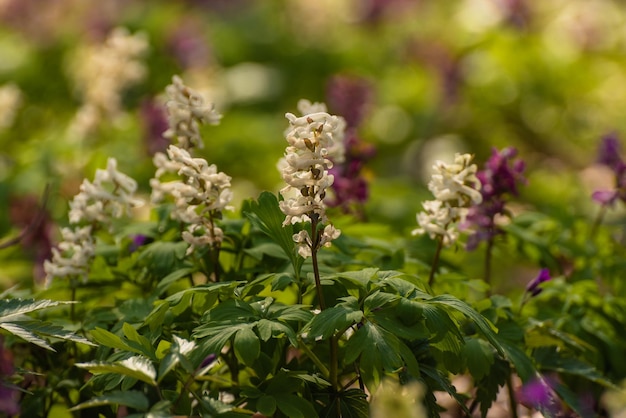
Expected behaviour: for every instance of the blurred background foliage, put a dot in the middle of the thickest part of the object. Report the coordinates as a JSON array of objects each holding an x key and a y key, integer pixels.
[{"x": 544, "y": 76}]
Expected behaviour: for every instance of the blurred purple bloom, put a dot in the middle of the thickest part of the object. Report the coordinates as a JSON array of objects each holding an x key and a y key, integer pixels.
[
  {"x": 609, "y": 155},
  {"x": 9, "y": 405},
  {"x": 207, "y": 360},
  {"x": 533, "y": 286},
  {"x": 516, "y": 12},
  {"x": 138, "y": 241},
  {"x": 501, "y": 176},
  {"x": 154, "y": 121},
  {"x": 350, "y": 186},
  {"x": 538, "y": 394},
  {"x": 188, "y": 45},
  {"x": 349, "y": 97},
  {"x": 609, "y": 151}
]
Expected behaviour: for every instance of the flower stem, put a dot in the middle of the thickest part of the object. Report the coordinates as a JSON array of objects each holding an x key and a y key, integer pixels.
[
  {"x": 512, "y": 399},
  {"x": 316, "y": 270},
  {"x": 433, "y": 268},
  {"x": 488, "y": 257},
  {"x": 598, "y": 221}
]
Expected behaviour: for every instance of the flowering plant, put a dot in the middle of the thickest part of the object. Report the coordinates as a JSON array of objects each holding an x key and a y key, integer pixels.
[{"x": 177, "y": 289}]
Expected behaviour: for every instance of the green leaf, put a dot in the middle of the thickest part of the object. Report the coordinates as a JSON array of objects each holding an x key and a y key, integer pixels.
[
  {"x": 171, "y": 278},
  {"x": 336, "y": 318},
  {"x": 108, "y": 339},
  {"x": 33, "y": 331},
  {"x": 267, "y": 248},
  {"x": 522, "y": 363},
  {"x": 141, "y": 343},
  {"x": 12, "y": 309},
  {"x": 136, "y": 367},
  {"x": 378, "y": 350},
  {"x": 247, "y": 345},
  {"x": 489, "y": 386},
  {"x": 294, "y": 406},
  {"x": 268, "y": 329},
  {"x": 484, "y": 325},
  {"x": 352, "y": 403},
  {"x": 266, "y": 405},
  {"x": 26, "y": 335},
  {"x": 266, "y": 215},
  {"x": 130, "y": 398},
  {"x": 479, "y": 356},
  {"x": 162, "y": 256}
]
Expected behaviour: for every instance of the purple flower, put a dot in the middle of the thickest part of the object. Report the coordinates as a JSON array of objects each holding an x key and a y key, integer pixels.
[
  {"x": 609, "y": 151},
  {"x": 154, "y": 121},
  {"x": 8, "y": 395},
  {"x": 349, "y": 97},
  {"x": 538, "y": 394},
  {"x": 501, "y": 176},
  {"x": 533, "y": 286},
  {"x": 138, "y": 241},
  {"x": 609, "y": 155}
]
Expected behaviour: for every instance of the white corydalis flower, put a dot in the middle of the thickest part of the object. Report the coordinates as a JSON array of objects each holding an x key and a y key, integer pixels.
[
  {"x": 186, "y": 110},
  {"x": 102, "y": 73},
  {"x": 456, "y": 188},
  {"x": 456, "y": 183},
  {"x": 110, "y": 195},
  {"x": 305, "y": 170},
  {"x": 200, "y": 194},
  {"x": 72, "y": 257}
]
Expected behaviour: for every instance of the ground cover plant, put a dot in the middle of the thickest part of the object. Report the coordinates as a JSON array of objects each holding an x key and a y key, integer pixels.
[{"x": 300, "y": 282}]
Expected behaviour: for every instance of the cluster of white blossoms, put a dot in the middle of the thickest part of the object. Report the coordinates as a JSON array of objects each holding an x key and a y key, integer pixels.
[
  {"x": 10, "y": 100},
  {"x": 200, "y": 193},
  {"x": 199, "y": 197},
  {"x": 101, "y": 74},
  {"x": 456, "y": 188},
  {"x": 73, "y": 255},
  {"x": 110, "y": 195},
  {"x": 186, "y": 110},
  {"x": 311, "y": 139}
]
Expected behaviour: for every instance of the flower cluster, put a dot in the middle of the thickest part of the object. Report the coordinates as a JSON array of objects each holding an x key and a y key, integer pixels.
[
  {"x": 314, "y": 139},
  {"x": 72, "y": 257},
  {"x": 609, "y": 155},
  {"x": 102, "y": 72},
  {"x": 200, "y": 193},
  {"x": 455, "y": 187},
  {"x": 199, "y": 198},
  {"x": 501, "y": 176},
  {"x": 186, "y": 110},
  {"x": 110, "y": 195}
]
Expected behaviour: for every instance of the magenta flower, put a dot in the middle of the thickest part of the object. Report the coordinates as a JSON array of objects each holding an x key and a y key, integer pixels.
[
  {"x": 501, "y": 176},
  {"x": 533, "y": 286},
  {"x": 538, "y": 394},
  {"x": 609, "y": 151},
  {"x": 609, "y": 155},
  {"x": 350, "y": 97}
]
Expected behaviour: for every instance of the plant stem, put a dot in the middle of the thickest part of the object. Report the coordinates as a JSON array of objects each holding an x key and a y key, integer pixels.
[
  {"x": 598, "y": 221},
  {"x": 512, "y": 399},
  {"x": 334, "y": 363},
  {"x": 316, "y": 270},
  {"x": 433, "y": 268},
  {"x": 488, "y": 256}
]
